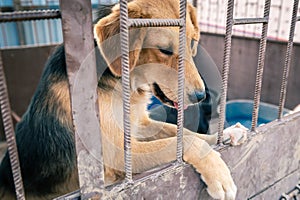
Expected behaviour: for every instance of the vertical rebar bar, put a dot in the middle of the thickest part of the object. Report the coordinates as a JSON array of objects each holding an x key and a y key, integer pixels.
[
  {"x": 287, "y": 62},
  {"x": 124, "y": 38},
  {"x": 10, "y": 135},
  {"x": 181, "y": 53},
  {"x": 260, "y": 66},
  {"x": 225, "y": 69}
]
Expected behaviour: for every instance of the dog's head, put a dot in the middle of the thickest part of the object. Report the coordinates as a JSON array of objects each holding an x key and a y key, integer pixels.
[{"x": 154, "y": 51}]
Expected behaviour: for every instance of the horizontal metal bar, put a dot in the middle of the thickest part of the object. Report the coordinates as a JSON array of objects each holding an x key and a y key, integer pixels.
[
  {"x": 155, "y": 22},
  {"x": 250, "y": 20},
  {"x": 29, "y": 15}
]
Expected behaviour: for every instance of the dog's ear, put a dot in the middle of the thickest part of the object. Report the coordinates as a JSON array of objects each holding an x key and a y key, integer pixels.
[
  {"x": 195, "y": 34},
  {"x": 107, "y": 33}
]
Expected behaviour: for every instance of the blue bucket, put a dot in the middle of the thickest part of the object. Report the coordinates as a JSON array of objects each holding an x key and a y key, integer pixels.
[{"x": 241, "y": 111}]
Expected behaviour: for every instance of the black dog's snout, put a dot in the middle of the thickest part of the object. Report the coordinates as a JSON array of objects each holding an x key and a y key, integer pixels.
[{"x": 198, "y": 96}]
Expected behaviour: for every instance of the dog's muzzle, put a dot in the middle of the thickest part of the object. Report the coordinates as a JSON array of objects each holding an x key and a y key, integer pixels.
[{"x": 198, "y": 96}]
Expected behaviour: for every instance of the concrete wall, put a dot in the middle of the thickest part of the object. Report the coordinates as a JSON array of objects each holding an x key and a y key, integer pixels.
[
  {"x": 243, "y": 68},
  {"x": 23, "y": 68}
]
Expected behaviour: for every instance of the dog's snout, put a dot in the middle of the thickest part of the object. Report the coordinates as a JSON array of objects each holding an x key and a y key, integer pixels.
[
  {"x": 197, "y": 96},
  {"x": 200, "y": 95}
]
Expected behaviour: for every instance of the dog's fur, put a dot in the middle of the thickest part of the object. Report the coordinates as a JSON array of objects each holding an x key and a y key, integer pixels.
[{"x": 45, "y": 136}]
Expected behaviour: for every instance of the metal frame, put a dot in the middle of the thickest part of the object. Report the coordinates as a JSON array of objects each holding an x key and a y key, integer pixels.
[
  {"x": 81, "y": 68},
  {"x": 226, "y": 61},
  {"x": 125, "y": 24},
  {"x": 260, "y": 67},
  {"x": 287, "y": 62},
  {"x": 90, "y": 163}
]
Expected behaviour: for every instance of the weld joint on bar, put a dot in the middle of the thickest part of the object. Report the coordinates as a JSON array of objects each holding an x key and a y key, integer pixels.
[
  {"x": 155, "y": 22},
  {"x": 242, "y": 21}
]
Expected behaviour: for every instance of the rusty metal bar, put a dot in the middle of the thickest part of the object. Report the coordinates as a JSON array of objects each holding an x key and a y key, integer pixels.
[
  {"x": 29, "y": 15},
  {"x": 155, "y": 22},
  {"x": 225, "y": 69},
  {"x": 124, "y": 38},
  {"x": 181, "y": 54},
  {"x": 125, "y": 23},
  {"x": 81, "y": 68},
  {"x": 10, "y": 135},
  {"x": 260, "y": 66},
  {"x": 287, "y": 62},
  {"x": 226, "y": 62},
  {"x": 243, "y": 21},
  {"x": 182, "y": 39}
]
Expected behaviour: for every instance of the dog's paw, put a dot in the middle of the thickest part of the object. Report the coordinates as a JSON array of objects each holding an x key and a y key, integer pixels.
[
  {"x": 235, "y": 135},
  {"x": 215, "y": 173}
]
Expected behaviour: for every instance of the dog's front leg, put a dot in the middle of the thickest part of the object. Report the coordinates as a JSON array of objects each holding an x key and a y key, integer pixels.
[
  {"x": 197, "y": 152},
  {"x": 153, "y": 130}
]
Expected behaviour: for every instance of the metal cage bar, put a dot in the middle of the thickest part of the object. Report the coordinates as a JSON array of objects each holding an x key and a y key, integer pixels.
[
  {"x": 10, "y": 135},
  {"x": 260, "y": 66},
  {"x": 230, "y": 22},
  {"x": 181, "y": 52},
  {"x": 81, "y": 68},
  {"x": 155, "y": 22},
  {"x": 5, "y": 106},
  {"x": 124, "y": 34},
  {"x": 125, "y": 24},
  {"x": 287, "y": 62},
  {"x": 29, "y": 15},
  {"x": 225, "y": 69},
  {"x": 243, "y": 21}
]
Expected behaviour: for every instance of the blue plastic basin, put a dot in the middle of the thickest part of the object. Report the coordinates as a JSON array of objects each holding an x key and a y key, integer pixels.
[{"x": 241, "y": 111}]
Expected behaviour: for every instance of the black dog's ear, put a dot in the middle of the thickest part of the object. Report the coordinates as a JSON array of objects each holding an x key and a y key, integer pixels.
[
  {"x": 103, "y": 11},
  {"x": 107, "y": 33}
]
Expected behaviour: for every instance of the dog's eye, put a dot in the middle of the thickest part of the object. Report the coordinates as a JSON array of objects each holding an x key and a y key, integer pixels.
[{"x": 168, "y": 51}]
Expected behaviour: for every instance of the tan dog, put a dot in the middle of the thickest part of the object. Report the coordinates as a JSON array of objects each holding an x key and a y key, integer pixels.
[
  {"x": 45, "y": 135},
  {"x": 154, "y": 64}
]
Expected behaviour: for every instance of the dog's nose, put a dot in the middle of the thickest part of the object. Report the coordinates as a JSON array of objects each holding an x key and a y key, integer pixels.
[{"x": 198, "y": 96}]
